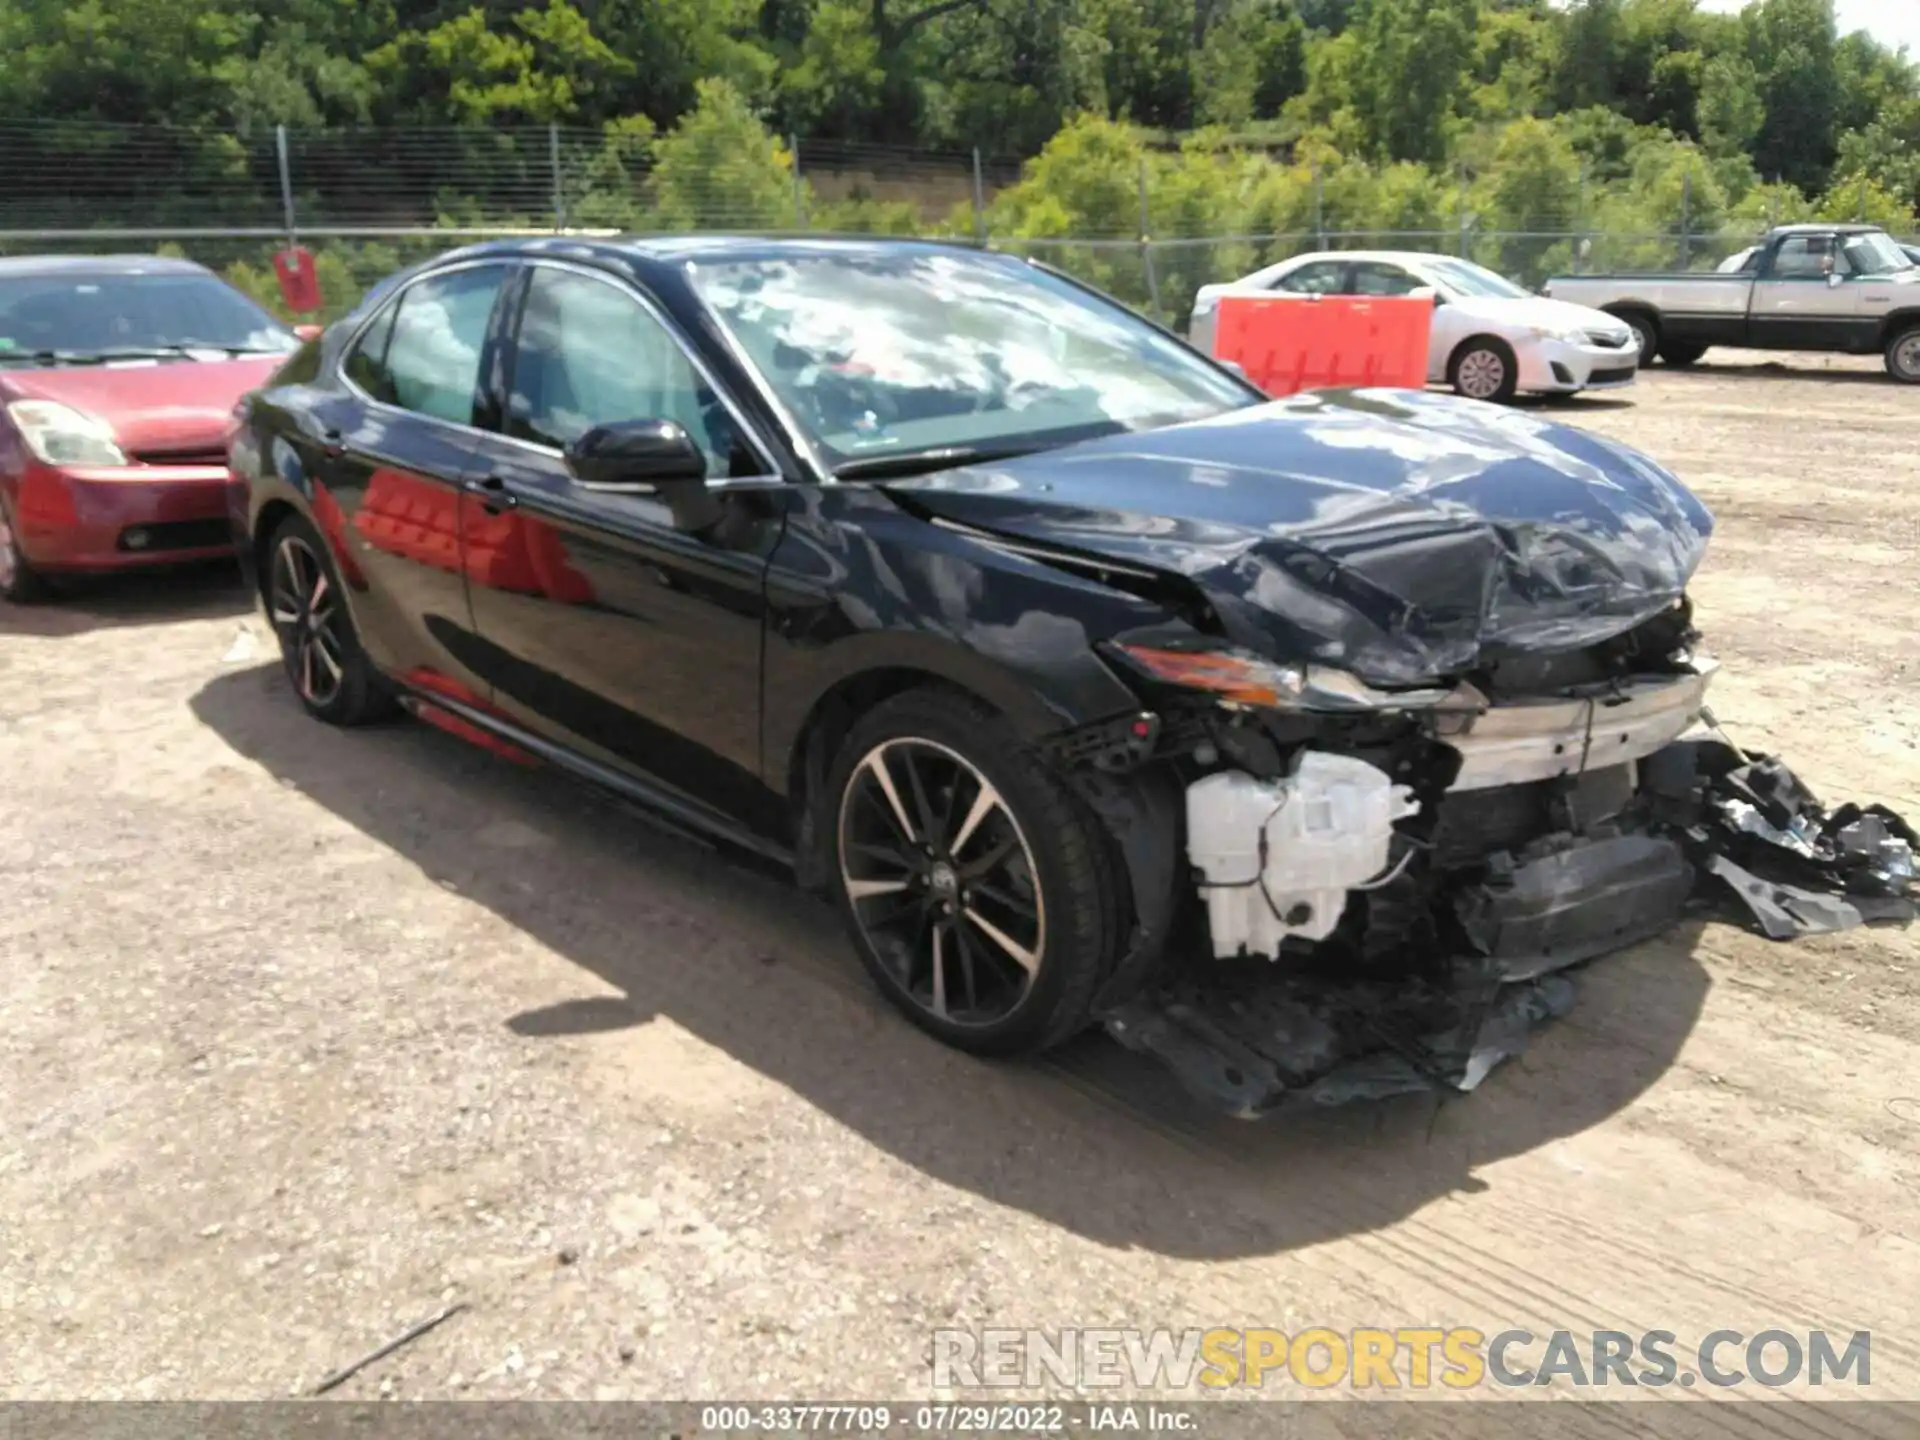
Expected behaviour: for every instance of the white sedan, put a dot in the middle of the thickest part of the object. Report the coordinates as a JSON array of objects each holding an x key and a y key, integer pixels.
[{"x": 1491, "y": 339}]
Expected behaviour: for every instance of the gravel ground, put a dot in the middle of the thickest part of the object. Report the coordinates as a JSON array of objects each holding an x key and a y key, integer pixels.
[{"x": 307, "y": 1035}]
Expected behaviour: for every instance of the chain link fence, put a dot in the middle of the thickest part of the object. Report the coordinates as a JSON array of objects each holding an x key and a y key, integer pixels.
[{"x": 369, "y": 201}]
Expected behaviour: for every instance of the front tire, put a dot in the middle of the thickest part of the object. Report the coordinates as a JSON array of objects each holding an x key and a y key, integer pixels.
[
  {"x": 306, "y": 603},
  {"x": 977, "y": 889},
  {"x": 1485, "y": 369},
  {"x": 1903, "y": 356},
  {"x": 1682, "y": 357},
  {"x": 19, "y": 581},
  {"x": 1646, "y": 335}
]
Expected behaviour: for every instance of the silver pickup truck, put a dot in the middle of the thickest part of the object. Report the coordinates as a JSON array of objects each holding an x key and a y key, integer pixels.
[{"x": 1845, "y": 288}]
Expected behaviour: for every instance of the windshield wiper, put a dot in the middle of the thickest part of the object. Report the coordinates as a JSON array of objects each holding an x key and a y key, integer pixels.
[
  {"x": 925, "y": 462},
  {"x": 127, "y": 352}
]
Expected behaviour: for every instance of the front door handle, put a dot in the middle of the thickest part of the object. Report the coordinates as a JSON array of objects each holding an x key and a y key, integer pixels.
[{"x": 494, "y": 495}]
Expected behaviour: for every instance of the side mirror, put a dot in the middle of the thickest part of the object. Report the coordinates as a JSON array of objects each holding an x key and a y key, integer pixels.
[
  {"x": 1835, "y": 279},
  {"x": 1234, "y": 367},
  {"x": 304, "y": 333},
  {"x": 636, "y": 455}
]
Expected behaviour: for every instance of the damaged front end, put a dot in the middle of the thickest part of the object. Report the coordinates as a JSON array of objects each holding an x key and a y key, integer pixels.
[
  {"x": 1391, "y": 885},
  {"x": 1424, "y": 725}
]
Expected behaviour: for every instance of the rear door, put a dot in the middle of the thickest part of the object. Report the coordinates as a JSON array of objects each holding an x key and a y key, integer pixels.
[
  {"x": 1794, "y": 304},
  {"x": 399, "y": 438}
]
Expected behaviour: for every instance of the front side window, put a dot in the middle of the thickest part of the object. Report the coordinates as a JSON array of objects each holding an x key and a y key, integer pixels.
[
  {"x": 1804, "y": 257},
  {"x": 1374, "y": 278},
  {"x": 590, "y": 354},
  {"x": 885, "y": 353},
  {"x": 423, "y": 353},
  {"x": 1323, "y": 277}
]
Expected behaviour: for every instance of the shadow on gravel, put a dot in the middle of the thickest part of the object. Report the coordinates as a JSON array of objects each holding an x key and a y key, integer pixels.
[
  {"x": 145, "y": 597},
  {"x": 1093, "y": 1139},
  {"x": 1775, "y": 370},
  {"x": 1567, "y": 407}
]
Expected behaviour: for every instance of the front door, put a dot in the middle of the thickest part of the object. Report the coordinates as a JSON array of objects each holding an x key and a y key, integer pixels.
[
  {"x": 1796, "y": 305},
  {"x": 604, "y": 620},
  {"x": 400, "y": 439}
]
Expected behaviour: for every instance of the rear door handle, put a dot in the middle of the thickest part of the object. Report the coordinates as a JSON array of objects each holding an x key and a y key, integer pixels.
[{"x": 494, "y": 495}]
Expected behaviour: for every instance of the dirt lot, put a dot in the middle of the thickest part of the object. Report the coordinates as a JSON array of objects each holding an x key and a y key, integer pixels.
[{"x": 308, "y": 1034}]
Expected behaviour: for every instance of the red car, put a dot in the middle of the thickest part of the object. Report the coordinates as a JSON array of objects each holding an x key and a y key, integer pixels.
[{"x": 118, "y": 380}]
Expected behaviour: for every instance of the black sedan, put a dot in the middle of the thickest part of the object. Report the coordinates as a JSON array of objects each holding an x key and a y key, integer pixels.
[{"x": 1080, "y": 675}]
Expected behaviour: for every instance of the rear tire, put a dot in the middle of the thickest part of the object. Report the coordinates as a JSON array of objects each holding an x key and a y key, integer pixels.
[
  {"x": 1680, "y": 357},
  {"x": 306, "y": 604},
  {"x": 1903, "y": 356},
  {"x": 977, "y": 889},
  {"x": 19, "y": 581},
  {"x": 1485, "y": 369}
]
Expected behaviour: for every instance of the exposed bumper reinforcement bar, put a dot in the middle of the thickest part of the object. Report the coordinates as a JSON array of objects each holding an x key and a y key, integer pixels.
[{"x": 1520, "y": 742}]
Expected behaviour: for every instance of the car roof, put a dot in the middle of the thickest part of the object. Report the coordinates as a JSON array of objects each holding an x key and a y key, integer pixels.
[
  {"x": 672, "y": 249},
  {"x": 1390, "y": 257},
  {"x": 37, "y": 266},
  {"x": 1817, "y": 229}
]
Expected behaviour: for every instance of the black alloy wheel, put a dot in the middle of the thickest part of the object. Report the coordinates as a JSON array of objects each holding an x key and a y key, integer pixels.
[
  {"x": 308, "y": 609},
  {"x": 977, "y": 890}
]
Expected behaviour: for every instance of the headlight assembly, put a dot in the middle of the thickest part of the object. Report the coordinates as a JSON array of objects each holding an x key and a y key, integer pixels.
[
  {"x": 60, "y": 435},
  {"x": 1245, "y": 679}
]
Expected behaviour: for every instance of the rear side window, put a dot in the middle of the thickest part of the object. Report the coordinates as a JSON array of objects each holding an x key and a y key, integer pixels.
[{"x": 423, "y": 353}]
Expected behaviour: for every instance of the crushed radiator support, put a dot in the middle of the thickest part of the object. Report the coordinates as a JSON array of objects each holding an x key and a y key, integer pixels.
[{"x": 1720, "y": 832}]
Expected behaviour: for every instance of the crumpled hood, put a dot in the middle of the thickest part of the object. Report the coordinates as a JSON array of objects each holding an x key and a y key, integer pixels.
[
  {"x": 1403, "y": 536},
  {"x": 171, "y": 405}
]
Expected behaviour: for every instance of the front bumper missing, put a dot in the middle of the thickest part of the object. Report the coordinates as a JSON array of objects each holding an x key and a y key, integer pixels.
[{"x": 1710, "y": 825}]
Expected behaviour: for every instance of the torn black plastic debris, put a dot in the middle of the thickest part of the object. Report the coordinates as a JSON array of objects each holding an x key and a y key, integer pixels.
[{"x": 1797, "y": 869}]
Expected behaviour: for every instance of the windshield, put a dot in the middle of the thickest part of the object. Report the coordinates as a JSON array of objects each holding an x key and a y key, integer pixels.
[
  {"x": 1467, "y": 278},
  {"x": 86, "y": 315},
  {"x": 1875, "y": 254},
  {"x": 898, "y": 353}
]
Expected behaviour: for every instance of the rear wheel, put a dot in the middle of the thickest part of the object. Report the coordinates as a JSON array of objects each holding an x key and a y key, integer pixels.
[
  {"x": 19, "y": 581},
  {"x": 975, "y": 886},
  {"x": 1903, "y": 356},
  {"x": 1485, "y": 369},
  {"x": 1681, "y": 356},
  {"x": 331, "y": 674}
]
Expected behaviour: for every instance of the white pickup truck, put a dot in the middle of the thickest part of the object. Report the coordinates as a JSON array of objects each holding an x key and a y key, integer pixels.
[{"x": 1845, "y": 288}]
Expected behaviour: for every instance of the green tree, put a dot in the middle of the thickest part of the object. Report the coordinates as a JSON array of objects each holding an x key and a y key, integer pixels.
[
  {"x": 1794, "y": 44},
  {"x": 1731, "y": 109},
  {"x": 1410, "y": 73},
  {"x": 838, "y": 86},
  {"x": 721, "y": 169}
]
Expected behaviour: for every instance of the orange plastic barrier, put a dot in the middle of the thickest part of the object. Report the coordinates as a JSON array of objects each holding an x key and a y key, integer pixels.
[{"x": 1290, "y": 343}]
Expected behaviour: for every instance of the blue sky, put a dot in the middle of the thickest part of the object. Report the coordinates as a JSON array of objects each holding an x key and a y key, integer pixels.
[{"x": 1895, "y": 22}]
